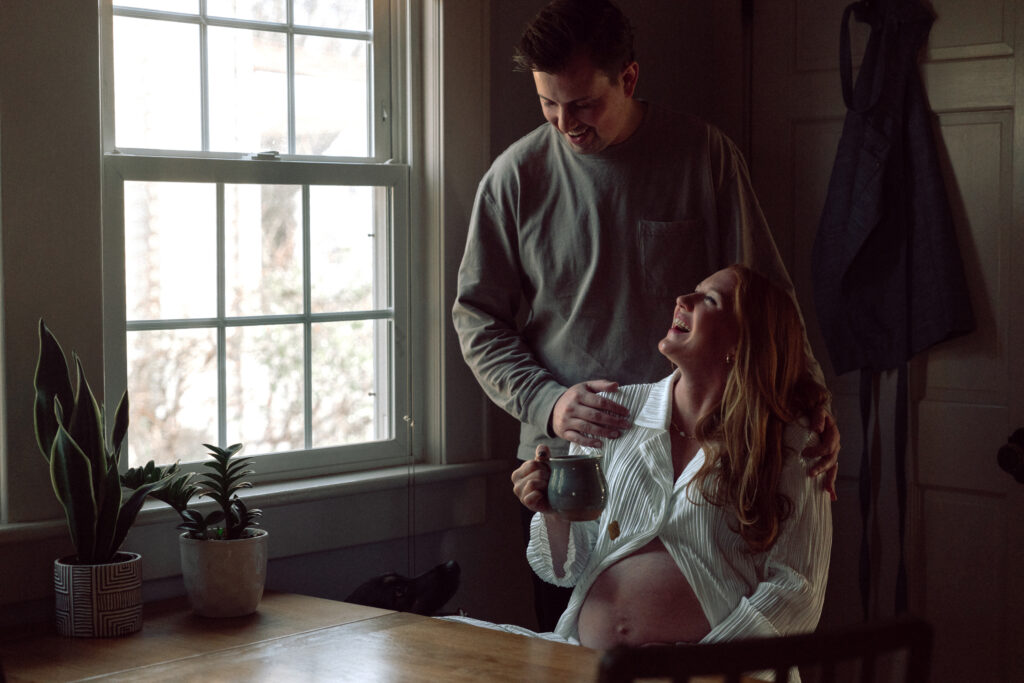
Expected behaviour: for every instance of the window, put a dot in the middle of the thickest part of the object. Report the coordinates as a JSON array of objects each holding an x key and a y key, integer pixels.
[{"x": 256, "y": 196}]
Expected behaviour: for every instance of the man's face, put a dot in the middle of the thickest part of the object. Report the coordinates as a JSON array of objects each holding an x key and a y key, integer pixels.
[{"x": 589, "y": 110}]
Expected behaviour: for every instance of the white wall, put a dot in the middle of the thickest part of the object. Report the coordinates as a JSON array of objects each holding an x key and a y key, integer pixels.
[{"x": 49, "y": 158}]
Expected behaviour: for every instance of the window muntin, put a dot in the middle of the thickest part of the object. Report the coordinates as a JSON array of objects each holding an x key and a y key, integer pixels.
[
  {"x": 237, "y": 76},
  {"x": 299, "y": 302},
  {"x": 263, "y": 301}
]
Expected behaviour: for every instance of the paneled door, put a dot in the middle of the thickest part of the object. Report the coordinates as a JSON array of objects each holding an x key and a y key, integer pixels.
[{"x": 965, "y": 539}]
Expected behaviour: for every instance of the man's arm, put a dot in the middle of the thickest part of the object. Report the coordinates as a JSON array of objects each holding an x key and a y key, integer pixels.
[
  {"x": 488, "y": 297},
  {"x": 484, "y": 314}
]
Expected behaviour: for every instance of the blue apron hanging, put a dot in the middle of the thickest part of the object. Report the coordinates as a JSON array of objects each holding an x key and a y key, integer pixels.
[{"x": 888, "y": 279}]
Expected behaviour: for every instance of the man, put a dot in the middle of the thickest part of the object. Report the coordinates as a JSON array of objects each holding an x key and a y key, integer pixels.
[{"x": 594, "y": 223}]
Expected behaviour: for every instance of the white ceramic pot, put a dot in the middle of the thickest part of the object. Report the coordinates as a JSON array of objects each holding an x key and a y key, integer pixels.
[
  {"x": 224, "y": 578},
  {"x": 98, "y": 600}
]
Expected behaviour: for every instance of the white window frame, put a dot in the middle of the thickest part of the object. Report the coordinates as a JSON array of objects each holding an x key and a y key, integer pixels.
[{"x": 386, "y": 167}]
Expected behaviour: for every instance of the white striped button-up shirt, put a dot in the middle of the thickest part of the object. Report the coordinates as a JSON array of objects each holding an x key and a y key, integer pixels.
[{"x": 742, "y": 594}]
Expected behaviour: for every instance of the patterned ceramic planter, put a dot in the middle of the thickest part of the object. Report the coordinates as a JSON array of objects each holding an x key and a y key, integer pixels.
[
  {"x": 224, "y": 578},
  {"x": 99, "y": 600}
]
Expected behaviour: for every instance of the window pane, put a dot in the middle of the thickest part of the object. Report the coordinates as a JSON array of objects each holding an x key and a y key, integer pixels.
[
  {"x": 248, "y": 90},
  {"x": 263, "y": 249},
  {"x": 265, "y": 388},
  {"x": 346, "y": 14},
  {"x": 331, "y": 86},
  {"x": 180, "y": 6},
  {"x": 342, "y": 244},
  {"x": 258, "y": 295},
  {"x": 261, "y": 10},
  {"x": 346, "y": 392},
  {"x": 156, "y": 72},
  {"x": 172, "y": 392},
  {"x": 170, "y": 250}
]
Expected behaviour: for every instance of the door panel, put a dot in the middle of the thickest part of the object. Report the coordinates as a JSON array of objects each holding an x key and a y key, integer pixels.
[
  {"x": 964, "y": 30},
  {"x": 979, "y": 147},
  {"x": 961, "y": 525},
  {"x": 964, "y": 546}
]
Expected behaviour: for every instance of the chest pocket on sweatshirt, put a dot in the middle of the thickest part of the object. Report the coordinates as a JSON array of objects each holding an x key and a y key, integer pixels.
[{"x": 673, "y": 256}]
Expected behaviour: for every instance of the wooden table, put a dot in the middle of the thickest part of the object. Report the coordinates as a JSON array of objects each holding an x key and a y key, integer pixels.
[{"x": 297, "y": 638}]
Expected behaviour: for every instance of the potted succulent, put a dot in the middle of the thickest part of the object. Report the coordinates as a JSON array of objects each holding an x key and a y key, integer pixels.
[
  {"x": 223, "y": 553},
  {"x": 98, "y": 590}
]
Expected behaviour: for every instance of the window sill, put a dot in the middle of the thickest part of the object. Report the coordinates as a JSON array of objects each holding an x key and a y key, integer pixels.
[
  {"x": 283, "y": 493},
  {"x": 303, "y": 516},
  {"x": 332, "y": 487}
]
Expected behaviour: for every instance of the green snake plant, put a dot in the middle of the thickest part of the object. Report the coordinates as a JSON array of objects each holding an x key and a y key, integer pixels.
[{"x": 71, "y": 434}]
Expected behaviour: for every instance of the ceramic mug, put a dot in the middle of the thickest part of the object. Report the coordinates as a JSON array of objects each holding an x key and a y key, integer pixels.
[{"x": 577, "y": 489}]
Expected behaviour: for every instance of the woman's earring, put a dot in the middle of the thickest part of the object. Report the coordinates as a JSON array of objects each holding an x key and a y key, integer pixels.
[{"x": 729, "y": 358}]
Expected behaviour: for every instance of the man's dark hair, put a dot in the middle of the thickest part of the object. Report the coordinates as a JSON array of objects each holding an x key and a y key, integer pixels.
[{"x": 565, "y": 28}]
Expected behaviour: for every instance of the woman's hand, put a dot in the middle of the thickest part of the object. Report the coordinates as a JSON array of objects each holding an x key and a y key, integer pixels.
[{"x": 530, "y": 481}]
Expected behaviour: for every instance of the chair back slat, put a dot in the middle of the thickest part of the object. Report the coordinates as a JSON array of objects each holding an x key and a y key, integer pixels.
[{"x": 866, "y": 644}]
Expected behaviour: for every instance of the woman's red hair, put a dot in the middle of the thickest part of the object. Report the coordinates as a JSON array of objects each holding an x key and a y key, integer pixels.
[{"x": 768, "y": 387}]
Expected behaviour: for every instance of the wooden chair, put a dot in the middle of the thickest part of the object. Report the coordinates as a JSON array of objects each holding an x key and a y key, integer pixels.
[{"x": 891, "y": 651}]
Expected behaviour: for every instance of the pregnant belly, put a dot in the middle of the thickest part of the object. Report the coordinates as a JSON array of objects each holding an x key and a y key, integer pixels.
[{"x": 641, "y": 599}]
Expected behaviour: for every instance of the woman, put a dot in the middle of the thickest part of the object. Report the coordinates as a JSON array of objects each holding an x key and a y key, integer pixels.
[{"x": 712, "y": 529}]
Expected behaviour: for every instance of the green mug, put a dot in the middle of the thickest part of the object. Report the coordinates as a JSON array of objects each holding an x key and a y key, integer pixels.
[{"x": 577, "y": 490}]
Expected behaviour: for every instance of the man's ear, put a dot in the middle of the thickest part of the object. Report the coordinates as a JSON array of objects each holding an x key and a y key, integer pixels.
[{"x": 630, "y": 75}]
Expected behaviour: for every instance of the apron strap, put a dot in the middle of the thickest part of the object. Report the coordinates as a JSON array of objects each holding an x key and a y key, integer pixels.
[
  {"x": 901, "y": 483},
  {"x": 865, "y": 491},
  {"x": 874, "y": 56}
]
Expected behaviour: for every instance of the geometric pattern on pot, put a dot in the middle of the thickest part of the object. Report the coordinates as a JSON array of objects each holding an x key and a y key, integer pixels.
[{"x": 99, "y": 600}]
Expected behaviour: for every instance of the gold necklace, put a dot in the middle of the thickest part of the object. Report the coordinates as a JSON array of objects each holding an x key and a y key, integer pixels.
[{"x": 680, "y": 431}]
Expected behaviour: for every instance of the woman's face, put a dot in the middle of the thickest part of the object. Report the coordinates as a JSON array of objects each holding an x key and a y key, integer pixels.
[{"x": 704, "y": 328}]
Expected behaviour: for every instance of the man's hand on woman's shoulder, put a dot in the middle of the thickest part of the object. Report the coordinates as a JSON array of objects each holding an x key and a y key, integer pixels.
[
  {"x": 824, "y": 449},
  {"x": 580, "y": 415}
]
